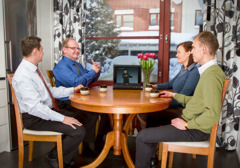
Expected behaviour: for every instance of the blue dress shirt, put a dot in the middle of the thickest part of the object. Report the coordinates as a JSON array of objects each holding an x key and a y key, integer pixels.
[
  {"x": 184, "y": 82},
  {"x": 67, "y": 75}
]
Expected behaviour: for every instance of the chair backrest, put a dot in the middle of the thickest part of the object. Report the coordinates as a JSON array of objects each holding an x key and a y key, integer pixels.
[
  {"x": 51, "y": 77},
  {"x": 18, "y": 114},
  {"x": 213, "y": 137}
]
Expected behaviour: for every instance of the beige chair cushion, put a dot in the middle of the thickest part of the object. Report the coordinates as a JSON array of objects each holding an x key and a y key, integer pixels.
[
  {"x": 33, "y": 132},
  {"x": 190, "y": 144}
]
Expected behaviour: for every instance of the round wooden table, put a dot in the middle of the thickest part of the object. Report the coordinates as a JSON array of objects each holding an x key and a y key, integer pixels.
[{"x": 118, "y": 102}]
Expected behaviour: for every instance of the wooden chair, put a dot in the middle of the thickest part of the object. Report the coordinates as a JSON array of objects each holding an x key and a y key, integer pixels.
[
  {"x": 51, "y": 77},
  {"x": 31, "y": 135},
  {"x": 200, "y": 148}
]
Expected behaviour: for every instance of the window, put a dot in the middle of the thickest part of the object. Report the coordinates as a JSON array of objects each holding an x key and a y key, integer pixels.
[
  {"x": 119, "y": 20},
  {"x": 154, "y": 19},
  {"x": 124, "y": 19},
  {"x": 119, "y": 30},
  {"x": 172, "y": 20},
  {"x": 128, "y": 21},
  {"x": 198, "y": 17}
]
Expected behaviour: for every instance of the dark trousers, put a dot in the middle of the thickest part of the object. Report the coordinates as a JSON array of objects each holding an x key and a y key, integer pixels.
[
  {"x": 148, "y": 139},
  {"x": 164, "y": 117},
  {"x": 88, "y": 119},
  {"x": 71, "y": 137}
]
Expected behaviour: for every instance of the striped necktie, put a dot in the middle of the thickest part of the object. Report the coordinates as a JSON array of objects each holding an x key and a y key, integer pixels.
[{"x": 75, "y": 64}]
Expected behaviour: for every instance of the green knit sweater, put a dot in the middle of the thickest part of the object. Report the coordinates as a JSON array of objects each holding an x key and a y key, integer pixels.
[{"x": 202, "y": 110}]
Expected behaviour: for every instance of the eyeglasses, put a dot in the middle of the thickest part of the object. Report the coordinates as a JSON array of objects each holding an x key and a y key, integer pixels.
[{"x": 74, "y": 48}]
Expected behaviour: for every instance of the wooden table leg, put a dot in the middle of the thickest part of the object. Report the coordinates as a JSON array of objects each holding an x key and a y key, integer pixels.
[
  {"x": 108, "y": 144},
  {"x": 118, "y": 140},
  {"x": 117, "y": 129},
  {"x": 125, "y": 151}
]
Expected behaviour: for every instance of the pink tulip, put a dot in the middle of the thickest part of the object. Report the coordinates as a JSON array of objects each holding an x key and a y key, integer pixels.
[
  {"x": 152, "y": 55},
  {"x": 140, "y": 55},
  {"x": 147, "y": 54},
  {"x": 145, "y": 57}
]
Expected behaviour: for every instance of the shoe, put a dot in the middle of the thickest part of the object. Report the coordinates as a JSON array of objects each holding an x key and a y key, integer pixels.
[
  {"x": 52, "y": 162},
  {"x": 68, "y": 165}
]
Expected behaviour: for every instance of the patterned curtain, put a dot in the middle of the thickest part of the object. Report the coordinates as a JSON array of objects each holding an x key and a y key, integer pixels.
[
  {"x": 222, "y": 17},
  {"x": 69, "y": 22}
]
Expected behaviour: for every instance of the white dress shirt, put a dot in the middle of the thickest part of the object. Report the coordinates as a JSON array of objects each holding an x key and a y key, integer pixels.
[
  {"x": 202, "y": 68},
  {"x": 32, "y": 95}
]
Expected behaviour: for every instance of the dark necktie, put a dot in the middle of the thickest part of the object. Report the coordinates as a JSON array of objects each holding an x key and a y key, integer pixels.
[
  {"x": 50, "y": 94},
  {"x": 75, "y": 64}
]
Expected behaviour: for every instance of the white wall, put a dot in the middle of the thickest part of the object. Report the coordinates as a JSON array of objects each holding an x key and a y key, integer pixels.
[
  {"x": 4, "y": 115},
  {"x": 45, "y": 32},
  {"x": 188, "y": 16},
  {"x": 2, "y": 53}
]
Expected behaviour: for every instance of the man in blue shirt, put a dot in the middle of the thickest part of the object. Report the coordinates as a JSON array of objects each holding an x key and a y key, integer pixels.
[{"x": 69, "y": 73}]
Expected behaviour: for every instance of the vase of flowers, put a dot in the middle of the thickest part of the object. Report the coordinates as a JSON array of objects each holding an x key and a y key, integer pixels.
[{"x": 147, "y": 62}]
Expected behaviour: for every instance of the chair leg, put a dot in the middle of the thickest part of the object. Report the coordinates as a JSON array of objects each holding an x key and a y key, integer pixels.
[
  {"x": 194, "y": 156},
  {"x": 80, "y": 148},
  {"x": 59, "y": 151},
  {"x": 160, "y": 148},
  {"x": 97, "y": 127},
  {"x": 170, "y": 160},
  {"x": 131, "y": 127},
  {"x": 20, "y": 154},
  {"x": 164, "y": 156},
  {"x": 30, "y": 153},
  {"x": 210, "y": 162}
]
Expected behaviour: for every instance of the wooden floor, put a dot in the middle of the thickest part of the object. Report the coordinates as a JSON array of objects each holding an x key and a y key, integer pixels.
[{"x": 223, "y": 158}]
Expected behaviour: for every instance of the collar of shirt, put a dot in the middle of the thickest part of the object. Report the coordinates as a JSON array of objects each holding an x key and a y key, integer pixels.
[
  {"x": 189, "y": 68},
  {"x": 28, "y": 65},
  {"x": 202, "y": 68},
  {"x": 68, "y": 61}
]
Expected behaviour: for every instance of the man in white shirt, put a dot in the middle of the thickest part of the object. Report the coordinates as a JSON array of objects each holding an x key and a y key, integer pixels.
[{"x": 35, "y": 98}]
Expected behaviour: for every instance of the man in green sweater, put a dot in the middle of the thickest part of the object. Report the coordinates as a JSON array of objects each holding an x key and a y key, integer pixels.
[{"x": 202, "y": 110}]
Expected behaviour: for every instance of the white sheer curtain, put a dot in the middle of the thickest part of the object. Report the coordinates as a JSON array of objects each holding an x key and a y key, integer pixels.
[
  {"x": 69, "y": 22},
  {"x": 222, "y": 17}
]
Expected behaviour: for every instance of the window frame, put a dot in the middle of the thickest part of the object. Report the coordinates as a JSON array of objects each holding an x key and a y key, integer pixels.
[
  {"x": 157, "y": 19},
  {"x": 163, "y": 46},
  {"x": 122, "y": 20}
]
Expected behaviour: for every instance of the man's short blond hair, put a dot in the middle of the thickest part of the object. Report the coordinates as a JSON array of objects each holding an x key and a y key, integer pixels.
[
  {"x": 208, "y": 39},
  {"x": 65, "y": 42}
]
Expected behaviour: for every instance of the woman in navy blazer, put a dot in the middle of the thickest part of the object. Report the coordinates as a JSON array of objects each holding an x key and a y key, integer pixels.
[{"x": 184, "y": 82}]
